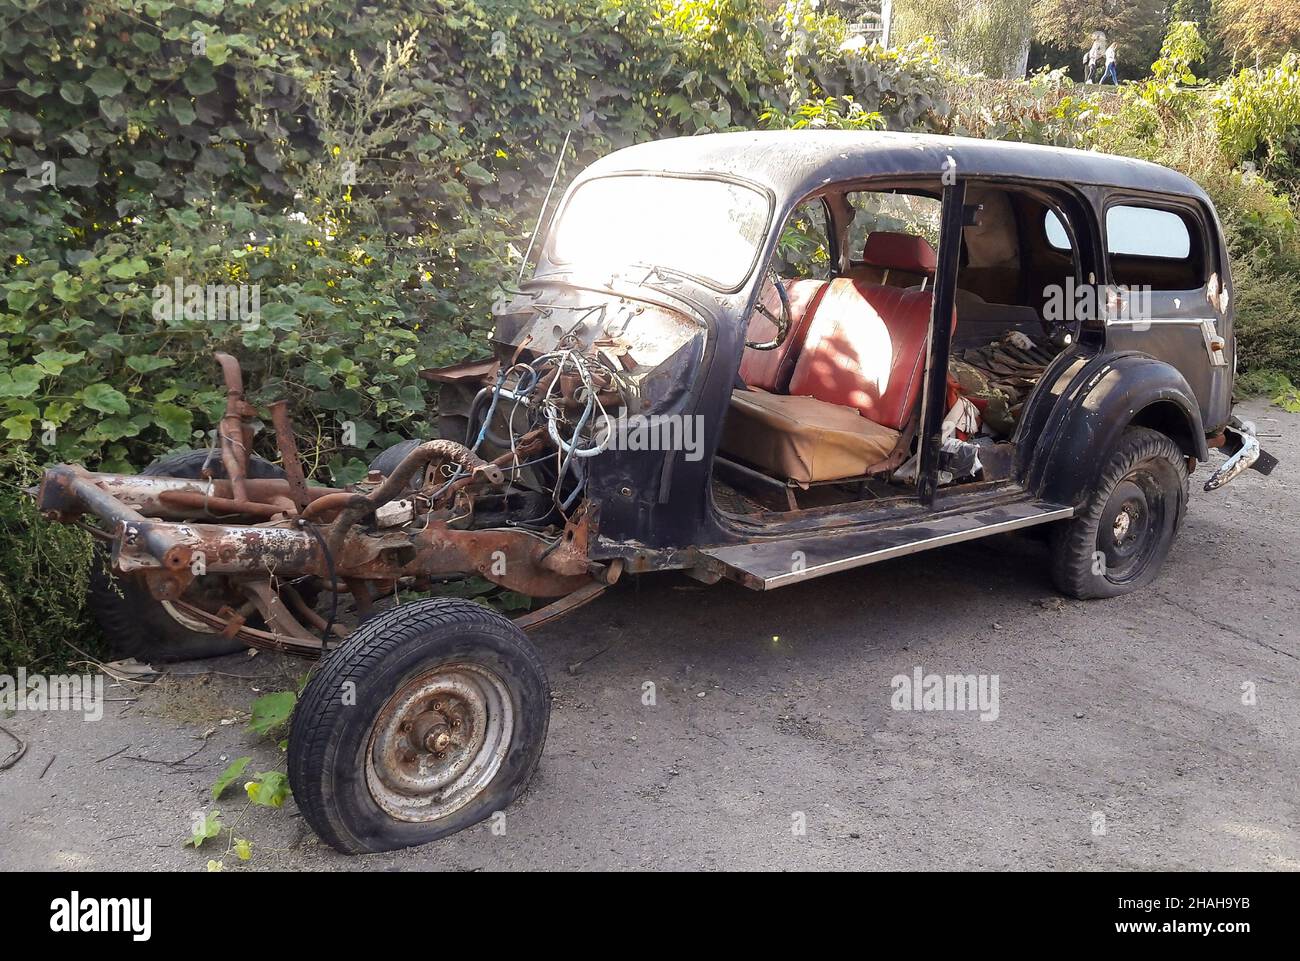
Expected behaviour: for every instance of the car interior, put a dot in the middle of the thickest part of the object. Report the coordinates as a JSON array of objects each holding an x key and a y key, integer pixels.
[{"x": 828, "y": 414}]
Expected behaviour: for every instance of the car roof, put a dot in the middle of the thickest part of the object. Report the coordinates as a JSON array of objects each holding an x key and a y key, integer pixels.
[{"x": 794, "y": 163}]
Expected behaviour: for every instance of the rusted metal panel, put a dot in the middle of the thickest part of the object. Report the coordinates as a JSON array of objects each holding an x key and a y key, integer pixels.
[{"x": 517, "y": 559}]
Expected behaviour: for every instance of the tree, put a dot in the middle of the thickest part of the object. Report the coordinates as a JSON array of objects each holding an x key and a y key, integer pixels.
[
  {"x": 1137, "y": 26},
  {"x": 990, "y": 36},
  {"x": 1214, "y": 63},
  {"x": 1254, "y": 31}
]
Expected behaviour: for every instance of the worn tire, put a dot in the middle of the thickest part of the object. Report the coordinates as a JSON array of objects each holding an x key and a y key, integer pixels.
[
  {"x": 333, "y": 744},
  {"x": 1130, "y": 519},
  {"x": 134, "y": 622}
]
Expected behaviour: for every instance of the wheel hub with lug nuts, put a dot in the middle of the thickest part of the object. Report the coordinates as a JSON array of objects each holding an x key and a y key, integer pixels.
[
  {"x": 438, "y": 742},
  {"x": 1129, "y": 529}
]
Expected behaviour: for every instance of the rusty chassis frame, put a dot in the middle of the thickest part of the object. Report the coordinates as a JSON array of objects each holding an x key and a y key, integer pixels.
[{"x": 169, "y": 531}]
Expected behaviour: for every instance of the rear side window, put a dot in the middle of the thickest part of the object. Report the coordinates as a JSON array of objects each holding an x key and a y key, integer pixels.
[
  {"x": 1148, "y": 246},
  {"x": 1147, "y": 232},
  {"x": 1055, "y": 230}
]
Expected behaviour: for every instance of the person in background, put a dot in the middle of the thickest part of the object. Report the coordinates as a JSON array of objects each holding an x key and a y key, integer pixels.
[
  {"x": 1111, "y": 73},
  {"x": 1094, "y": 55}
]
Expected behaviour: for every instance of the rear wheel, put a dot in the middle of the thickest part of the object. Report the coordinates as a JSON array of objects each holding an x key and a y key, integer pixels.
[
  {"x": 427, "y": 719},
  {"x": 1118, "y": 540},
  {"x": 138, "y": 625}
]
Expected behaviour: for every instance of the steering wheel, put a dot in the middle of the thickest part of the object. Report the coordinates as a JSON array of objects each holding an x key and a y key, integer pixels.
[{"x": 782, "y": 322}]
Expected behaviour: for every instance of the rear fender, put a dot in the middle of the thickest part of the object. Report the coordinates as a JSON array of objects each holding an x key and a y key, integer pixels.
[{"x": 1084, "y": 404}]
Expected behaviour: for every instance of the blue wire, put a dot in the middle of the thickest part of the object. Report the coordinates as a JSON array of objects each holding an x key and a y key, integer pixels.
[{"x": 492, "y": 409}]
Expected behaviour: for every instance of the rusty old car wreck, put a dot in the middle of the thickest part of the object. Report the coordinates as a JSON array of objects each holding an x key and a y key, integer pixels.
[{"x": 878, "y": 344}]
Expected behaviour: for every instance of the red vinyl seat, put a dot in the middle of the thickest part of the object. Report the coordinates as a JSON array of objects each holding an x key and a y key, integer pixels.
[
  {"x": 896, "y": 259},
  {"x": 891, "y": 250},
  {"x": 865, "y": 348},
  {"x": 856, "y": 379}
]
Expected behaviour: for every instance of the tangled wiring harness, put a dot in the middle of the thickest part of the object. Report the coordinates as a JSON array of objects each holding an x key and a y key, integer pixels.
[{"x": 566, "y": 395}]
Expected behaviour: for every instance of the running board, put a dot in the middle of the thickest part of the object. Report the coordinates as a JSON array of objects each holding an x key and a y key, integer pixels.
[{"x": 771, "y": 564}]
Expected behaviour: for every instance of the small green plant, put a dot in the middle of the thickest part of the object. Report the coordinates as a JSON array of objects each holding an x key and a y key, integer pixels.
[
  {"x": 268, "y": 789},
  {"x": 206, "y": 829},
  {"x": 228, "y": 776},
  {"x": 272, "y": 711}
]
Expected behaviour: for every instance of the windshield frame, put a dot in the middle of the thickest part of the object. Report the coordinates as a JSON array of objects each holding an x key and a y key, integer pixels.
[{"x": 764, "y": 192}]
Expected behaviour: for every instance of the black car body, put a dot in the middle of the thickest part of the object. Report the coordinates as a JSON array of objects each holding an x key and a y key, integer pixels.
[{"x": 1169, "y": 368}]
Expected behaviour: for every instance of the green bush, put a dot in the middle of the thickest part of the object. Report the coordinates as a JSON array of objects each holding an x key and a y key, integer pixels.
[
  {"x": 44, "y": 571},
  {"x": 1257, "y": 116},
  {"x": 1268, "y": 318}
]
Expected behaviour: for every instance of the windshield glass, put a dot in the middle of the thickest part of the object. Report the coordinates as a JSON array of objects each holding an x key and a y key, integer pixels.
[{"x": 708, "y": 229}]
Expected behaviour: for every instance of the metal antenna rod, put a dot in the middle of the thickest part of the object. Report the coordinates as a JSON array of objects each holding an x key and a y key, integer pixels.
[{"x": 545, "y": 203}]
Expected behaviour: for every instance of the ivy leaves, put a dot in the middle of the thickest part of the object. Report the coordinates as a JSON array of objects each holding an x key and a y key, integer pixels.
[
  {"x": 272, "y": 711},
  {"x": 107, "y": 400},
  {"x": 228, "y": 776},
  {"x": 268, "y": 789},
  {"x": 106, "y": 82},
  {"x": 206, "y": 828}
]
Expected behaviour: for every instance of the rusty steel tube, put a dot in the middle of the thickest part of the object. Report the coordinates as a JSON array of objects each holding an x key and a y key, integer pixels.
[
  {"x": 220, "y": 505},
  {"x": 330, "y": 502},
  {"x": 284, "y": 439},
  {"x": 143, "y": 494},
  {"x": 425, "y": 454},
  {"x": 230, "y": 430}
]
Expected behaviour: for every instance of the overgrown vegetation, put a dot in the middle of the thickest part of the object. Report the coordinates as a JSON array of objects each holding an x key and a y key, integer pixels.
[
  {"x": 372, "y": 172},
  {"x": 44, "y": 573}
]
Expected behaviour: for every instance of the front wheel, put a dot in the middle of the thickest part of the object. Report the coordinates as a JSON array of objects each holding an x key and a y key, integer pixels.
[
  {"x": 427, "y": 719},
  {"x": 1119, "y": 538}
]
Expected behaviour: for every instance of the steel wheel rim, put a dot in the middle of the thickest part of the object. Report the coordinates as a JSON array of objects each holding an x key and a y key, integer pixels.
[
  {"x": 1130, "y": 526},
  {"x": 439, "y": 741},
  {"x": 186, "y": 621},
  {"x": 207, "y": 596}
]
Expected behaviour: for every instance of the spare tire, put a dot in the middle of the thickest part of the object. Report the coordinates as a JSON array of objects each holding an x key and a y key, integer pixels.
[{"x": 388, "y": 460}]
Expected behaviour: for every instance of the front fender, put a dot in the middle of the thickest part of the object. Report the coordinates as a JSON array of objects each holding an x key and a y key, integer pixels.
[{"x": 1083, "y": 405}]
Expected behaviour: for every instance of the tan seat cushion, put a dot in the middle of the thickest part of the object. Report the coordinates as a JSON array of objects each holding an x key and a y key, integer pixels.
[{"x": 803, "y": 439}]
